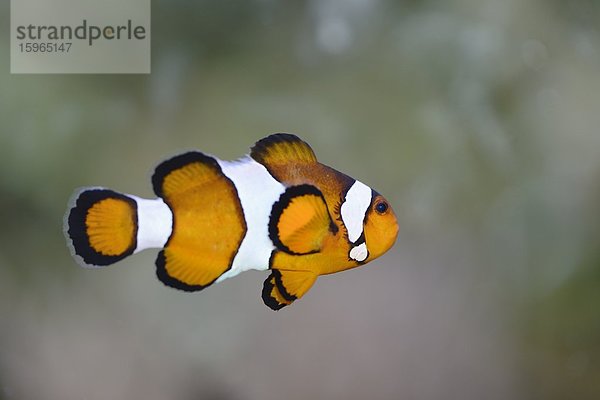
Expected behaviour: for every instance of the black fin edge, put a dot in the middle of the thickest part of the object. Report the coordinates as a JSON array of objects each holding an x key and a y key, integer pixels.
[
  {"x": 168, "y": 280},
  {"x": 166, "y": 167},
  {"x": 261, "y": 148},
  {"x": 160, "y": 173},
  {"x": 77, "y": 230},
  {"x": 266, "y": 295},
  {"x": 279, "y": 207},
  {"x": 286, "y": 295}
]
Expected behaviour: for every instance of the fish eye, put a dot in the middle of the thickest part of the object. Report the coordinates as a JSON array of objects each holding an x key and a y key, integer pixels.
[{"x": 381, "y": 207}]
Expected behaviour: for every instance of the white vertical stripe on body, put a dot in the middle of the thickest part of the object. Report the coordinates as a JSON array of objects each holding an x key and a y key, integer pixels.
[
  {"x": 359, "y": 253},
  {"x": 155, "y": 223},
  {"x": 354, "y": 209},
  {"x": 257, "y": 191}
]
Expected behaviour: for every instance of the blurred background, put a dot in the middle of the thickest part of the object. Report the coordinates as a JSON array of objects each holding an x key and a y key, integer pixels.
[{"x": 477, "y": 119}]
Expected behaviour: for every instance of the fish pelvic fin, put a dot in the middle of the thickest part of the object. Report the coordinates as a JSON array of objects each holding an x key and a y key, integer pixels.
[
  {"x": 101, "y": 226},
  {"x": 283, "y": 287}
]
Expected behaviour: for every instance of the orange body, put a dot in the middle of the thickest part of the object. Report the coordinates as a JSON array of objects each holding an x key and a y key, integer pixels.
[{"x": 278, "y": 209}]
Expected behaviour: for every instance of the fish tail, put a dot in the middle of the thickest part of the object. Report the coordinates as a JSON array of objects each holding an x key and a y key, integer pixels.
[{"x": 101, "y": 226}]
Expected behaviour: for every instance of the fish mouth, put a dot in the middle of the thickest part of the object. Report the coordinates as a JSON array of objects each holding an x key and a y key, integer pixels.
[{"x": 382, "y": 243}]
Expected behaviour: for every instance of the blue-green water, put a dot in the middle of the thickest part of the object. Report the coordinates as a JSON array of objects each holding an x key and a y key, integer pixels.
[{"x": 477, "y": 120}]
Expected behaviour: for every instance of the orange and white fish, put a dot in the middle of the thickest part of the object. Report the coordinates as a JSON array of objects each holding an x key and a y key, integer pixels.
[{"x": 276, "y": 209}]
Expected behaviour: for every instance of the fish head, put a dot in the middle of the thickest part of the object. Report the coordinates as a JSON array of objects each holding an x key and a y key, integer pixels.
[{"x": 380, "y": 226}]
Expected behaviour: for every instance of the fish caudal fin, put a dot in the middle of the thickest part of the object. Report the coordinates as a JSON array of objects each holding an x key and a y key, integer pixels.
[{"x": 101, "y": 226}]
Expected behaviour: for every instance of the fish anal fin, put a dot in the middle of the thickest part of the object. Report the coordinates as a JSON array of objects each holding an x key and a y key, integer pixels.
[
  {"x": 186, "y": 269},
  {"x": 300, "y": 220},
  {"x": 282, "y": 148}
]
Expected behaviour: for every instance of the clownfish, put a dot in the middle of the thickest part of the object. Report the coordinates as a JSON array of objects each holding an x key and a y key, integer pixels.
[{"x": 276, "y": 209}]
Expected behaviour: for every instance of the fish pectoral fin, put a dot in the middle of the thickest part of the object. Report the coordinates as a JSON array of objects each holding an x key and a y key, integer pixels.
[
  {"x": 280, "y": 149},
  {"x": 282, "y": 287},
  {"x": 300, "y": 220}
]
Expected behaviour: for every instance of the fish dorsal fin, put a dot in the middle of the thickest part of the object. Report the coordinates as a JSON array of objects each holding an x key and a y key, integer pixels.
[
  {"x": 300, "y": 220},
  {"x": 184, "y": 172},
  {"x": 282, "y": 287},
  {"x": 281, "y": 149},
  {"x": 208, "y": 221}
]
